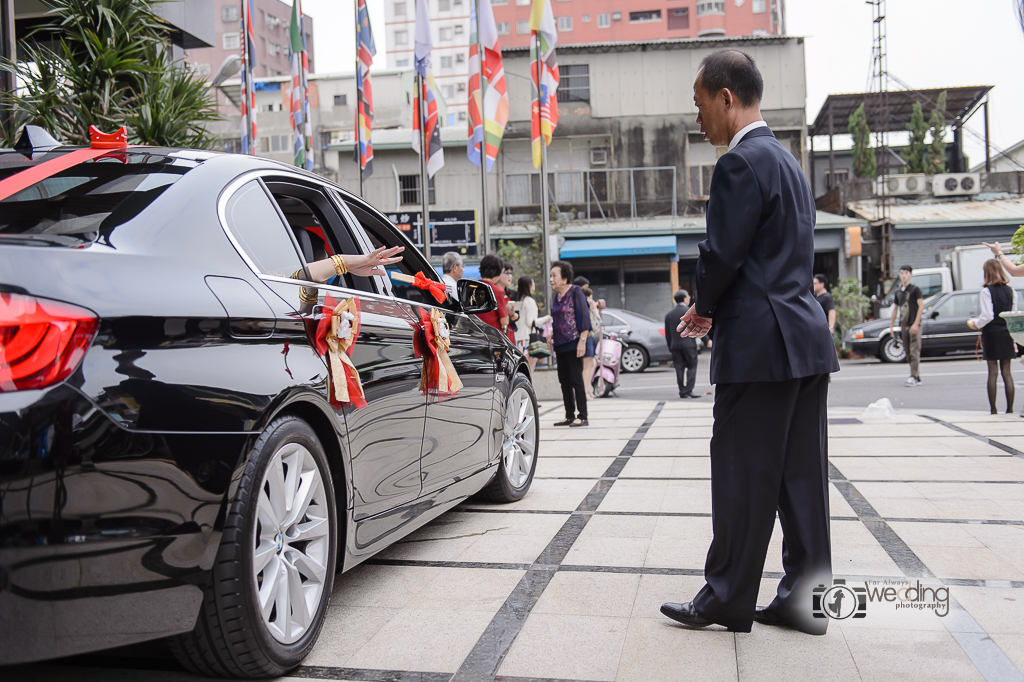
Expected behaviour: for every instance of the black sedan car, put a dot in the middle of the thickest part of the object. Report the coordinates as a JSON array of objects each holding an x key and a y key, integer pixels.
[
  {"x": 172, "y": 463},
  {"x": 944, "y": 329}
]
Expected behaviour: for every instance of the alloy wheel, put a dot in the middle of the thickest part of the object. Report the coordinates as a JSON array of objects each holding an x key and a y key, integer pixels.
[
  {"x": 291, "y": 544},
  {"x": 632, "y": 359},
  {"x": 519, "y": 442}
]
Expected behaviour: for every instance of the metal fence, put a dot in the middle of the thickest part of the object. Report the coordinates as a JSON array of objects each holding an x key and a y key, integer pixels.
[{"x": 597, "y": 194}]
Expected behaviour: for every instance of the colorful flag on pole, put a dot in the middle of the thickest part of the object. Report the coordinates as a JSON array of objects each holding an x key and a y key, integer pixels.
[
  {"x": 248, "y": 50},
  {"x": 424, "y": 46},
  {"x": 364, "y": 94},
  {"x": 302, "y": 142},
  {"x": 488, "y": 97},
  {"x": 544, "y": 109}
]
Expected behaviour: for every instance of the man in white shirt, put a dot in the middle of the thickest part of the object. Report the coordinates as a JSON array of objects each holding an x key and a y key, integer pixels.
[{"x": 451, "y": 268}]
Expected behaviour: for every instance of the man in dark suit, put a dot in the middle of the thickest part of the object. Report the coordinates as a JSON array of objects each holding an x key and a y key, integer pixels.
[
  {"x": 683, "y": 349},
  {"x": 773, "y": 354}
]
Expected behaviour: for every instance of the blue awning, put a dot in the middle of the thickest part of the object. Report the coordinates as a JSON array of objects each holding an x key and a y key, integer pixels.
[
  {"x": 468, "y": 271},
  {"x": 618, "y": 246}
]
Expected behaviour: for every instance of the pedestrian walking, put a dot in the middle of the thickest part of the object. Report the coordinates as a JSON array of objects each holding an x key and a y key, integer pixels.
[
  {"x": 452, "y": 269},
  {"x": 571, "y": 328},
  {"x": 530, "y": 322},
  {"x": 909, "y": 306},
  {"x": 771, "y": 364},
  {"x": 825, "y": 299},
  {"x": 491, "y": 273},
  {"x": 683, "y": 349},
  {"x": 997, "y": 347}
]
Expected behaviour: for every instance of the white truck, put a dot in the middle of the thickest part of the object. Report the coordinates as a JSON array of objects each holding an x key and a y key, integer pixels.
[{"x": 932, "y": 281}]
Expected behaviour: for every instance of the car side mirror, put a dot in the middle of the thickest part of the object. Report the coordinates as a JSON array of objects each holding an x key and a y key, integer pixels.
[{"x": 476, "y": 297}]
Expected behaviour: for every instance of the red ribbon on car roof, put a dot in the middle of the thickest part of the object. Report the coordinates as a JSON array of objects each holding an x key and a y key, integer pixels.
[{"x": 102, "y": 144}]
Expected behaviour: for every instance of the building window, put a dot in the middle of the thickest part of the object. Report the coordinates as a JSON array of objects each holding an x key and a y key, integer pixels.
[
  {"x": 574, "y": 83},
  {"x": 460, "y": 58},
  {"x": 409, "y": 186},
  {"x": 451, "y": 119},
  {"x": 458, "y": 29},
  {"x": 446, "y": 62},
  {"x": 461, "y": 87},
  {"x": 758, "y": 6},
  {"x": 523, "y": 2},
  {"x": 564, "y": 24},
  {"x": 679, "y": 19},
  {"x": 273, "y": 49},
  {"x": 760, "y": 33},
  {"x": 644, "y": 17},
  {"x": 341, "y": 100},
  {"x": 444, "y": 5},
  {"x": 499, "y": 2},
  {"x": 710, "y": 7},
  {"x": 401, "y": 63},
  {"x": 842, "y": 175},
  {"x": 444, "y": 34},
  {"x": 229, "y": 13},
  {"x": 270, "y": 21},
  {"x": 604, "y": 20},
  {"x": 401, "y": 37},
  {"x": 449, "y": 91},
  {"x": 700, "y": 181},
  {"x": 462, "y": 116},
  {"x": 230, "y": 41},
  {"x": 585, "y": 18},
  {"x": 399, "y": 9},
  {"x": 522, "y": 27},
  {"x": 501, "y": 27}
]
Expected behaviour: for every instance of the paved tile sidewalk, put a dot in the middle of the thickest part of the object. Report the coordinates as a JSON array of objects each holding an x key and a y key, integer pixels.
[{"x": 566, "y": 584}]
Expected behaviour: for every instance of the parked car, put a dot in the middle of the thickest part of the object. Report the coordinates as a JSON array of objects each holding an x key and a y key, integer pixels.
[
  {"x": 944, "y": 328},
  {"x": 170, "y": 462},
  {"x": 643, "y": 337}
]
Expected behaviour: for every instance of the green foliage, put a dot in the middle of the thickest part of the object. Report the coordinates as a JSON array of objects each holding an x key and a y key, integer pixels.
[
  {"x": 914, "y": 152},
  {"x": 863, "y": 153},
  {"x": 935, "y": 156},
  {"x": 526, "y": 259},
  {"x": 106, "y": 63},
  {"x": 1017, "y": 243},
  {"x": 850, "y": 302}
]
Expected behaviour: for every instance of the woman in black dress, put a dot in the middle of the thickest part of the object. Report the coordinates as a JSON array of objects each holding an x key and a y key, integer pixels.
[{"x": 996, "y": 345}]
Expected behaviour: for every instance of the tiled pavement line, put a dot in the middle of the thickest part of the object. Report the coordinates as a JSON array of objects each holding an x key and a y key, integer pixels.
[
  {"x": 977, "y": 436},
  {"x": 487, "y": 654},
  {"x": 988, "y": 658}
]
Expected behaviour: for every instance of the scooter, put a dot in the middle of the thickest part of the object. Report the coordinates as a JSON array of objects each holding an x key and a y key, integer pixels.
[{"x": 606, "y": 370}]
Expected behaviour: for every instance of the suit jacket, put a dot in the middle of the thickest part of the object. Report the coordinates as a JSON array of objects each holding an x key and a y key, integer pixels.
[
  {"x": 755, "y": 268},
  {"x": 672, "y": 338}
]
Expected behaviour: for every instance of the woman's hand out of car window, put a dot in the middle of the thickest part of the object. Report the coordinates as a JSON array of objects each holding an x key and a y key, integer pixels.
[{"x": 367, "y": 265}]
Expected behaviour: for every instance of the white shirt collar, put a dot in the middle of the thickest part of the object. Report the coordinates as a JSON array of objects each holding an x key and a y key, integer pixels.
[{"x": 743, "y": 131}]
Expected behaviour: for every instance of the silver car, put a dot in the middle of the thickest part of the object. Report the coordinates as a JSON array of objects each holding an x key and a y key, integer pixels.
[{"x": 644, "y": 338}]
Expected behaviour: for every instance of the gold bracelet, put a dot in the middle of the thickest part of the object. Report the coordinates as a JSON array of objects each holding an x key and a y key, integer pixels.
[
  {"x": 297, "y": 275},
  {"x": 339, "y": 264},
  {"x": 307, "y": 297}
]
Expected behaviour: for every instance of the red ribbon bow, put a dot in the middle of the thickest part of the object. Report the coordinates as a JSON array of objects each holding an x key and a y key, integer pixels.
[{"x": 437, "y": 289}]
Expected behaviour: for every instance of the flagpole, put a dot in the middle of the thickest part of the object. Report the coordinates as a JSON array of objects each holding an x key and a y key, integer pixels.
[
  {"x": 485, "y": 233},
  {"x": 247, "y": 78},
  {"x": 544, "y": 228},
  {"x": 359, "y": 98},
  {"x": 424, "y": 180}
]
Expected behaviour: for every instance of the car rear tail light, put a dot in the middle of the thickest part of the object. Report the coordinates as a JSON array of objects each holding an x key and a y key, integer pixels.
[
  {"x": 41, "y": 341},
  {"x": 662, "y": 332}
]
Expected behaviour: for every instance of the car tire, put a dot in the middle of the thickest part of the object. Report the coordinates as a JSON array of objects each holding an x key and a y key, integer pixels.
[
  {"x": 234, "y": 636},
  {"x": 634, "y": 359},
  {"x": 890, "y": 349},
  {"x": 519, "y": 442},
  {"x": 602, "y": 388}
]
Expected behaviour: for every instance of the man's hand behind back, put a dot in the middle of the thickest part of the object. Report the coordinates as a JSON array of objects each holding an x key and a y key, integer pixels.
[{"x": 693, "y": 325}]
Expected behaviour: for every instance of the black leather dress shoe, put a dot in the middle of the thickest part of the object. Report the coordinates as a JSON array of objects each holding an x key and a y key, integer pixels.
[
  {"x": 685, "y": 614},
  {"x": 765, "y": 616}
]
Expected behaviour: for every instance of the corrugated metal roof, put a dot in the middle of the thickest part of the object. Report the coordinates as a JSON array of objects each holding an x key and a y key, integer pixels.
[
  {"x": 664, "y": 43},
  {"x": 946, "y": 213}
]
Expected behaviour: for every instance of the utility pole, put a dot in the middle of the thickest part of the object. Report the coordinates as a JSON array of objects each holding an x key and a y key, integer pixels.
[{"x": 880, "y": 76}]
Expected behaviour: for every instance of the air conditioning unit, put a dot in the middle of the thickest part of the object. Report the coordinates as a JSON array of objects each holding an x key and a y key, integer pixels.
[
  {"x": 616, "y": 16},
  {"x": 956, "y": 184},
  {"x": 598, "y": 157},
  {"x": 900, "y": 185}
]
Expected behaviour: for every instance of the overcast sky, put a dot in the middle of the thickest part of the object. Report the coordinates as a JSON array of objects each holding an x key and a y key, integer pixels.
[{"x": 932, "y": 43}]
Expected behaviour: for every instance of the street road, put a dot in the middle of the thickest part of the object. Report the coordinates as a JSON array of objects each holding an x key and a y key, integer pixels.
[{"x": 956, "y": 383}]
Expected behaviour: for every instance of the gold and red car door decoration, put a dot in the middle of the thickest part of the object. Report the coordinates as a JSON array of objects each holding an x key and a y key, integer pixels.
[
  {"x": 336, "y": 335},
  {"x": 439, "y": 375}
]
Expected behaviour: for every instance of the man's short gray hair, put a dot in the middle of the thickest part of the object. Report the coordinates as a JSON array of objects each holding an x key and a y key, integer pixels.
[{"x": 450, "y": 260}]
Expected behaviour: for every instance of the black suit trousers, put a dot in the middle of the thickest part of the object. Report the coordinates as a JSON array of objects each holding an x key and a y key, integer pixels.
[
  {"x": 769, "y": 452},
  {"x": 685, "y": 361}
]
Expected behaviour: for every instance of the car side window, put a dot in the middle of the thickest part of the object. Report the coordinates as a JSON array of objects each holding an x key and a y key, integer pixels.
[
  {"x": 258, "y": 229},
  {"x": 961, "y": 305},
  {"x": 609, "y": 320},
  {"x": 381, "y": 233}
]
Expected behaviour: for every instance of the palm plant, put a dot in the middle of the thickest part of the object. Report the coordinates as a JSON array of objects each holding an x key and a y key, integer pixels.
[{"x": 106, "y": 63}]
